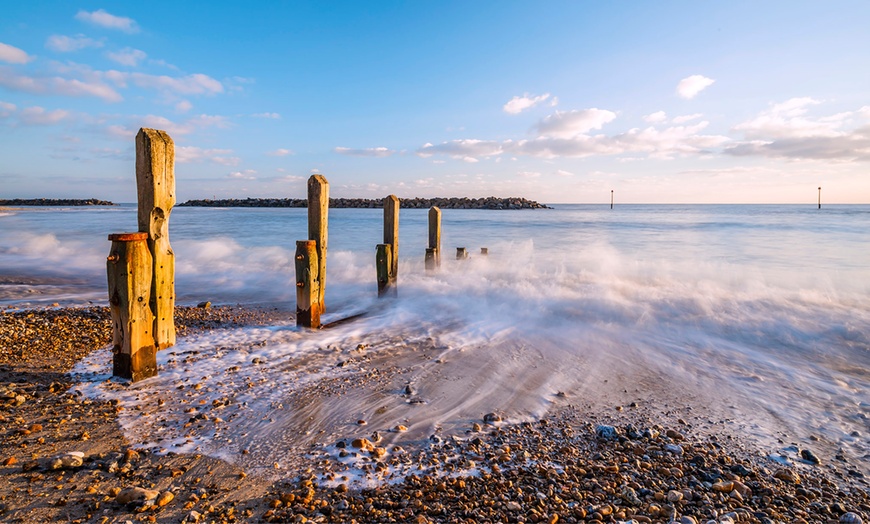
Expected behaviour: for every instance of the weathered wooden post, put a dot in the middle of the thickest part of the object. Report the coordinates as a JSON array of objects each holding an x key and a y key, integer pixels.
[
  {"x": 391, "y": 238},
  {"x": 318, "y": 214},
  {"x": 611, "y": 199},
  {"x": 435, "y": 233},
  {"x": 155, "y": 180},
  {"x": 308, "y": 305},
  {"x": 129, "y": 270},
  {"x": 383, "y": 265},
  {"x": 484, "y": 251},
  {"x": 461, "y": 253},
  {"x": 430, "y": 261},
  {"x": 820, "y": 197}
]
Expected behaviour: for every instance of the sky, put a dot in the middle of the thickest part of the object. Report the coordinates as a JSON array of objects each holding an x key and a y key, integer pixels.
[{"x": 556, "y": 101}]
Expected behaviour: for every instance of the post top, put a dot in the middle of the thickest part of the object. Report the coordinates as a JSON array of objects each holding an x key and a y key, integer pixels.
[{"x": 128, "y": 237}]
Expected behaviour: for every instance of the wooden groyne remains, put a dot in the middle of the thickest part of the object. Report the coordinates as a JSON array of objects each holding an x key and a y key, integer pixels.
[{"x": 141, "y": 265}]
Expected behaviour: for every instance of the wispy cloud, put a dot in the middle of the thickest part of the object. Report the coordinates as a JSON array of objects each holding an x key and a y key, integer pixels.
[
  {"x": 690, "y": 86},
  {"x": 103, "y": 19},
  {"x": 39, "y": 116},
  {"x": 518, "y": 104},
  {"x": 567, "y": 124},
  {"x": 68, "y": 44},
  {"x": 57, "y": 85},
  {"x": 657, "y": 117},
  {"x": 6, "y": 109},
  {"x": 247, "y": 174},
  {"x": 13, "y": 55},
  {"x": 274, "y": 116},
  {"x": 377, "y": 152},
  {"x": 127, "y": 56},
  {"x": 195, "y": 84},
  {"x": 191, "y": 154},
  {"x": 280, "y": 152},
  {"x": 184, "y": 128}
]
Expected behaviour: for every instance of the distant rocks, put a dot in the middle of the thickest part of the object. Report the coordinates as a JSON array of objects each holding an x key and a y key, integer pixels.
[
  {"x": 369, "y": 203},
  {"x": 54, "y": 202}
]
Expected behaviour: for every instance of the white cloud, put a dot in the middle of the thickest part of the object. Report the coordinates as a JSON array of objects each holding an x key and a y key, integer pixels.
[
  {"x": 690, "y": 86},
  {"x": 518, "y": 104},
  {"x": 58, "y": 86},
  {"x": 6, "y": 109},
  {"x": 247, "y": 174},
  {"x": 461, "y": 149},
  {"x": 13, "y": 55},
  {"x": 377, "y": 152},
  {"x": 280, "y": 152},
  {"x": 568, "y": 124},
  {"x": 39, "y": 116},
  {"x": 788, "y": 120},
  {"x": 68, "y": 44},
  {"x": 657, "y": 117},
  {"x": 191, "y": 154},
  {"x": 195, "y": 84},
  {"x": 562, "y": 172},
  {"x": 103, "y": 19},
  {"x": 186, "y": 127},
  {"x": 682, "y": 119},
  {"x": 127, "y": 56},
  {"x": 529, "y": 174},
  {"x": 183, "y": 106},
  {"x": 274, "y": 116}
]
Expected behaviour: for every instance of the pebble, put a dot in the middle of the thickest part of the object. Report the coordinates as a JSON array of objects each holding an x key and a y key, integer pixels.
[
  {"x": 810, "y": 457},
  {"x": 491, "y": 418},
  {"x": 135, "y": 494},
  {"x": 606, "y": 432},
  {"x": 850, "y": 518}
]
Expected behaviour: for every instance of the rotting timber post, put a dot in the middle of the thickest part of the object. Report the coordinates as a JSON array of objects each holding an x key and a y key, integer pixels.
[
  {"x": 129, "y": 271},
  {"x": 155, "y": 182},
  {"x": 434, "y": 236},
  {"x": 389, "y": 256},
  {"x": 311, "y": 256}
]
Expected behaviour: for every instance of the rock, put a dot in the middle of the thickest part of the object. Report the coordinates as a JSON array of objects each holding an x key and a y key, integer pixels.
[
  {"x": 810, "y": 457},
  {"x": 606, "y": 432},
  {"x": 675, "y": 449},
  {"x": 513, "y": 506},
  {"x": 135, "y": 494},
  {"x": 723, "y": 487},
  {"x": 850, "y": 518},
  {"x": 675, "y": 435},
  {"x": 73, "y": 459},
  {"x": 193, "y": 516},
  {"x": 165, "y": 498},
  {"x": 688, "y": 520},
  {"x": 675, "y": 496},
  {"x": 491, "y": 418},
  {"x": 204, "y": 305},
  {"x": 787, "y": 475}
]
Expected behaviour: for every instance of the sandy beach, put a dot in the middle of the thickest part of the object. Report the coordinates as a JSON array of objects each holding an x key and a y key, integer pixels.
[{"x": 66, "y": 457}]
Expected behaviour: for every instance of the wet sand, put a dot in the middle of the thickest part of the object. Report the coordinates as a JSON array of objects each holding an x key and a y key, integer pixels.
[{"x": 617, "y": 457}]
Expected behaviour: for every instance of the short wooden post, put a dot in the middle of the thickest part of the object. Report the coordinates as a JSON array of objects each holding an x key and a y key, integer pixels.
[
  {"x": 383, "y": 265},
  {"x": 318, "y": 212},
  {"x": 307, "y": 284},
  {"x": 820, "y": 197},
  {"x": 611, "y": 199},
  {"x": 431, "y": 259},
  {"x": 435, "y": 233},
  {"x": 129, "y": 271},
  {"x": 461, "y": 253},
  {"x": 484, "y": 251},
  {"x": 391, "y": 237},
  {"x": 155, "y": 180}
]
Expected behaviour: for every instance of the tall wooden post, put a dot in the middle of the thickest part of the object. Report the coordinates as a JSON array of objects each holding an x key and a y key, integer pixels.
[
  {"x": 155, "y": 180},
  {"x": 391, "y": 237},
  {"x": 308, "y": 305},
  {"x": 435, "y": 233},
  {"x": 383, "y": 266},
  {"x": 318, "y": 212},
  {"x": 129, "y": 271},
  {"x": 820, "y": 197}
]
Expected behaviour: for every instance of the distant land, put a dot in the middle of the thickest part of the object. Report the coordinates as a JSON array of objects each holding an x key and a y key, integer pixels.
[
  {"x": 411, "y": 203},
  {"x": 55, "y": 202}
]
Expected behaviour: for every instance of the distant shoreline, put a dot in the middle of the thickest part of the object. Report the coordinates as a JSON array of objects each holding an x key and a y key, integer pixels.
[
  {"x": 410, "y": 203},
  {"x": 55, "y": 202}
]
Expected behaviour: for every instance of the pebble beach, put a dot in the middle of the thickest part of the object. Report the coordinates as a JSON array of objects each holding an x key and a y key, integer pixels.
[{"x": 66, "y": 459}]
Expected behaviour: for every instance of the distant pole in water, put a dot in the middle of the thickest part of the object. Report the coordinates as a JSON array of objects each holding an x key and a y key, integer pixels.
[
  {"x": 611, "y": 199},
  {"x": 820, "y": 197},
  {"x": 155, "y": 181},
  {"x": 435, "y": 234}
]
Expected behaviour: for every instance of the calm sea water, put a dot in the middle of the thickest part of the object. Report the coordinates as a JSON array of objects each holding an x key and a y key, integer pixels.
[{"x": 764, "y": 310}]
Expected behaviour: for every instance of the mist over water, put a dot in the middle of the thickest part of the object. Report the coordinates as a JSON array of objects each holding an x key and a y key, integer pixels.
[{"x": 757, "y": 313}]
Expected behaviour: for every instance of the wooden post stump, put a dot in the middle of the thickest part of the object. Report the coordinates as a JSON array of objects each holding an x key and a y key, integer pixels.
[
  {"x": 461, "y": 253},
  {"x": 129, "y": 271},
  {"x": 435, "y": 233},
  {"x": 383, "y": 264},
  {"x": 318, "y": 215},
  {"x": 307, "y": 284},
  {"x": 431, "y": 260},
  {"x": 155, "y": 180},
  {"x": 391, "y": 238},
  {"x": 484, "y": 251}
]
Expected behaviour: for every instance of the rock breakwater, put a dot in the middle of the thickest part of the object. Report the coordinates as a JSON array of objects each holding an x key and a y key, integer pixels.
[
  {"x": 408, "y": 203},
  {"x": 54, "y": 202}
]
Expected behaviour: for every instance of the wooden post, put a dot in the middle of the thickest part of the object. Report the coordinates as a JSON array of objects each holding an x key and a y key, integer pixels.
[
  {"x": 129, "y": 271},
  {"x": 383, "y": 265},
  {"x": 484, "y": 251},
  {"x": 318, "y": 211},
  {"x": 308, "y": 305},
  {"x": 155, "y": 180},
  {"x": 461, "y": 253},
  {"x": 611, "y": 199},
  {"x": 391, "y": 237},
  {"x": 431, "y": 262},
  {"x": 820, "y": 197},
  {"x": 435, "y": 233}
]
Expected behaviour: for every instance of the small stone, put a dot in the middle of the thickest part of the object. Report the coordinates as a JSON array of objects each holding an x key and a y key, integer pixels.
[
  {"x": 850, "y": 518},
  {"x": 675, "y": 496},
  {"x": 723, "y": 487},
  {"x": 513, "y": 506},
  {"x": 675, "y": 449},
  {"x": 606, "y": 432},
  {"x": 688, "y": 520},
  {"x": 135, "y": 494},
  {"x": 491, "y": 418},
  {"x": 194, "y": 516},
  {"x": 787, "y": 475},
  {"x": 675, "y": 435},
  {"x": 810, "y": 457},
  {"x": 10, "y": 461},
  {"x": 204, "y": 305},
  {"x": 475, "y": 427},
  {"x": 165, "y": 498}
]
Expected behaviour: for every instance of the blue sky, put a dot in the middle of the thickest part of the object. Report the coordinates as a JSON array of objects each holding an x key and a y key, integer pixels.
[{"x": 689, "y": 102}]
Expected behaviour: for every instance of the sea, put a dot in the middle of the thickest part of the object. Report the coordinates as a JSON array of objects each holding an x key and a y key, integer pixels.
[{"x": 758, "y": 315}]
